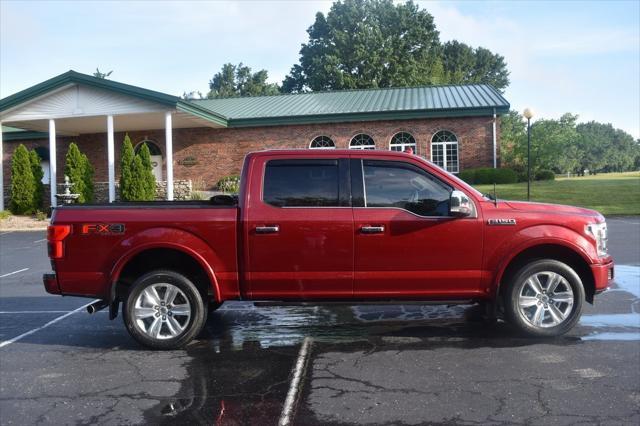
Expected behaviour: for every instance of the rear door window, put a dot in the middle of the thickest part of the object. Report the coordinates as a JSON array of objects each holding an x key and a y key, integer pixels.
[{"x": 302, "y": 183}]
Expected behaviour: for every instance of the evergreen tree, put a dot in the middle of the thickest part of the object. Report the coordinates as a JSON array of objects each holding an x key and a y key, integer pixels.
[
  {"x": 38, "y": 174},
  {"x": 88, "y": 179},
  {"x": 137, "y": 188},
  {"x": 75, "y": 168},
  {"x": 148, "y": 179},
  {"x": 126, "y": 164},
  {"x": 22, "y": 182}
]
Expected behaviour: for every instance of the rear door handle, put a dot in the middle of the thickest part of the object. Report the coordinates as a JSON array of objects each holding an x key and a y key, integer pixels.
[
  {"x": 372, "y": 229},
  {"x": 273, "y": 229}
]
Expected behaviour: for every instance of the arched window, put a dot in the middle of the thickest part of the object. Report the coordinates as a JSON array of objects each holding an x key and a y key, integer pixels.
[
  {"x": 322, "y": 142},
  {"x": 401, "y": 141},
  {"x": 153, "y": 147},
  {"x": 362, "y": 141},
  {"x": 444, "y": 150}
]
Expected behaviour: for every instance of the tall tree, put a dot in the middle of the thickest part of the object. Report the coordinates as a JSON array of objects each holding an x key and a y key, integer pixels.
[
  {"x": 80, "y": 173},
  {"x": 368, "y": 43},
  {"x": 239, "y": 80},
  {"x": 464, "y": 64},
  {"x": 379, "y": 43},
  {"x": 148, "y": 178},
  {"x": 126, "y": 164}
]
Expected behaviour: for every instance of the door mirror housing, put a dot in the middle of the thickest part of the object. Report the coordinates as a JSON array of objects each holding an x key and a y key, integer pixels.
[{"x": 460, "y": 205}]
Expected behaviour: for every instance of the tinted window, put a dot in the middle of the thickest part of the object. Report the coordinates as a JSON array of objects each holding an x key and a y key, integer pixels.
[
  {"x": 402, "y": 185},
  {"x": 301, "y": 183}
]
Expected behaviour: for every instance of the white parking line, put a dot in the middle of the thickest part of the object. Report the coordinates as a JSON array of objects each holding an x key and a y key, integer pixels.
[
  {"x": 14, "y": 272},
  {"x": 5, "y": 233},
  {"x": 39, "y": 241},
  {"x": 37, "y": 312},
  {"x": 294, "y": 387},
  {"x": 53, "y": 321}
]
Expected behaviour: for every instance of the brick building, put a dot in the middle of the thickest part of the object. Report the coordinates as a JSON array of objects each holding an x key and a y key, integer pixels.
[{"x": 205, "y": 140}]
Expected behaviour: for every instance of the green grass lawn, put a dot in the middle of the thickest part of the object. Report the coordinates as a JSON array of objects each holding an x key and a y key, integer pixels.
[{"x": 609, "y": 193}]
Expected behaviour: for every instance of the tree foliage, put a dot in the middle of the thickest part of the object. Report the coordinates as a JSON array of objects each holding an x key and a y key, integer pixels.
[
  {"x": 137, "y": 182},
  {"x": 566, "y": 147},
  {"x": 239, "y": 80},
  {"x": 80, "y": 172},
  {"x": 23, "y": 186},
  {"x": 38, "y": 174},
  {"x": 379, "y": 43}
]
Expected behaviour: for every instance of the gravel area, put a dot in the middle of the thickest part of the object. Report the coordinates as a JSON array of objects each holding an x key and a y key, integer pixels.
[{"x": 23, "y": 223}]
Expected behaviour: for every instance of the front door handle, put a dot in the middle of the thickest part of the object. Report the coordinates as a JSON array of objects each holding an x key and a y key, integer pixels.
[
  {"x": 372, "y": 229},
  {"x": 273, "y": 229}
]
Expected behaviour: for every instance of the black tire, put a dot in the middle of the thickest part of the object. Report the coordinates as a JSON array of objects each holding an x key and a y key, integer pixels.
[
  {"x": 518, "y": 316},
  {"x": 191, "y": 298}
]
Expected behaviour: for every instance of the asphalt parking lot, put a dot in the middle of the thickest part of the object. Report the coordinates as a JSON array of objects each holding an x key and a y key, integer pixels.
[{"x": 404, "y": 364}]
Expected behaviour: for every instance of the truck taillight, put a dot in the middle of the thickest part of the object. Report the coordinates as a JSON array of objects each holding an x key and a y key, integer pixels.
[{"x": 55, "y": 237}]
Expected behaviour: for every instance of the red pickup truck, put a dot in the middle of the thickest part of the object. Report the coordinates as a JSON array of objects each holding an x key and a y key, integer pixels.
[{"x": 323, "y": 226}]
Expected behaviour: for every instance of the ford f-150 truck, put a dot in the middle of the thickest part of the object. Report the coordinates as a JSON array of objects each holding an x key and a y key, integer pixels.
[{"x": 323, "y": 226}]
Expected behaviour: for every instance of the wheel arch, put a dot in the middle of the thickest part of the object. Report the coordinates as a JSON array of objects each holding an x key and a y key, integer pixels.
[{"x": 549, "y": 250}]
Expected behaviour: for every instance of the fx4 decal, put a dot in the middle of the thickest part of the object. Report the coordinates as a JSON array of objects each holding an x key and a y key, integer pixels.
[{"x": 103, "y": 228}]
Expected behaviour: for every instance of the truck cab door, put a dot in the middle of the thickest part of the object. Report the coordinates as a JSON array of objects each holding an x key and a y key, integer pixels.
[
  {"x": 299, "y": 228},
  {"x": 406, "y": 243}
]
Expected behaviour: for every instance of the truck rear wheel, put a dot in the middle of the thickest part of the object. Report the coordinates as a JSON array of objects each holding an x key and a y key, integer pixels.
[
  {"x": 164, "y": 310},
  {"x": 544, "y": 298}
]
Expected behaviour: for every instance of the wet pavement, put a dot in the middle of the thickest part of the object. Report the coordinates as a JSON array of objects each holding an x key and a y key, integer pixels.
[{"x": 399, "y": 364}]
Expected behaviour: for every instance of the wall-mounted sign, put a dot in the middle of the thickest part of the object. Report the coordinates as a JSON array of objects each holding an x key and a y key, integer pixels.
[{"x": 188, "y": 161}]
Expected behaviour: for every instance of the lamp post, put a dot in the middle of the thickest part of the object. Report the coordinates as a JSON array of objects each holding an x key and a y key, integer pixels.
[{"x": 528, "y": 114}]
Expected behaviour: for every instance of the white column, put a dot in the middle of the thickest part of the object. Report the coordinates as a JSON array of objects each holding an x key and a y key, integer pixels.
[
  {"x": 111, "y": 160},
  {"x": 495, "y": 143},
  {"x": 52, "y": 161},
  {"x": 169, "y": 153},
  {"x": 1, "y": 171}
]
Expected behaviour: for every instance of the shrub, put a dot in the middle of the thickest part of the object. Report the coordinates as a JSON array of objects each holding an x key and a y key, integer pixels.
[
  {"x": 22, "y": 182},
  {"x": 229, "y": 184},
  {"x": 545, "y": 175},
  {"x": 197, "y": 195},
  {"x": 41, "y": 216},
  {"x": 485, "y": 176},
  {"x": 38, "y": 174},
  {"x": 5, "y": 214},
  {"x": 148, "y": 178},
  {"x": 80, "y": 173},
  {"x": 126, "y": 162}
]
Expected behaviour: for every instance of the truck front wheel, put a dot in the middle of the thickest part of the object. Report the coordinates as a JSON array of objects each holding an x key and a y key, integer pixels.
[
  {"x": 544, "y": 298},
  {"x": 164, "y": 310}
]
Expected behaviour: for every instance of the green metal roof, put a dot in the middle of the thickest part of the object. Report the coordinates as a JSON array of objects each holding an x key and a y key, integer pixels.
[
  {"x": 356, "y": 105},
  {"x": 303, "y": 108}
]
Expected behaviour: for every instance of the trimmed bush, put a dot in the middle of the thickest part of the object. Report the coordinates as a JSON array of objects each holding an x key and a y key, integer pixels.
[
  {"x": 485, "y": 176},
  {"x": 148, "y": 178},
  {"x": 229, "y": 184},
  {"x": 545, "y": 175},
  {"x": 80, "y": 173},
  {"x": 126, "y": 162},
  {"x": 38, "y": 174},
  {"x": 23, "y": 186}
]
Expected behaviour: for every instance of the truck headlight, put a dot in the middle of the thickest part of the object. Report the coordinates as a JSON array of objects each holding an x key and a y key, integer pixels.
[{"x": 598, "y": 231}]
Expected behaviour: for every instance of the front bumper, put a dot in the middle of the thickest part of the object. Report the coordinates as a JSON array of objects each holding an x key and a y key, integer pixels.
[
  {"x": 602, "y": 275},
  {"x": 51, "y": 283}
]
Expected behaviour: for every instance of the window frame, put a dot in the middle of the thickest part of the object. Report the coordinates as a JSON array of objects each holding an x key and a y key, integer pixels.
[
  {"x": 344, "y": 187},
  {"x": 444, "y": 145},
  {"x": 322, "y": 147},
  {"x": 403, "y": 146},
  {"x": 362, "y": 147},
  {"x": 359, "y": 192}
]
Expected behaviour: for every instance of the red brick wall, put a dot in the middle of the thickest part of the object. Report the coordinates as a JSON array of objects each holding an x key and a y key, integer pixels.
[{"x": 220, "y": 152}]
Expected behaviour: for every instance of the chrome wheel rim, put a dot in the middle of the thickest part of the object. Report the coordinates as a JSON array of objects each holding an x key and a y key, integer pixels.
[
  {"x": 162, "y": 311},
  {"x": 546, "y": 299}
]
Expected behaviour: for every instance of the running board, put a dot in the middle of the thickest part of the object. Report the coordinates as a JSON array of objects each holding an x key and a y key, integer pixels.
[{"x": 362, "y": 302}]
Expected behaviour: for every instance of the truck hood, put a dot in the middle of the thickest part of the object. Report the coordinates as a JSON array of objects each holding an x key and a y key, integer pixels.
[{"x": 554, "y": 209}]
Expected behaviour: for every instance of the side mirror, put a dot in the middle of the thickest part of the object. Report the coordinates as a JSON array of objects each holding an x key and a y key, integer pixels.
[
  {"x": 459, "y": 205},
  {"x": 223, "y": 200}
]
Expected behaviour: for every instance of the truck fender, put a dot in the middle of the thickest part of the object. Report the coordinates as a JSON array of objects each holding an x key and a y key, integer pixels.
[
  {"x": 171, "y": 238},
  {"x": 539, "y": 235}
]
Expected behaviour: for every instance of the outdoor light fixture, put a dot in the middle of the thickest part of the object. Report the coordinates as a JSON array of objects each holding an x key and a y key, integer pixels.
[{"x": 528, "y": 114}]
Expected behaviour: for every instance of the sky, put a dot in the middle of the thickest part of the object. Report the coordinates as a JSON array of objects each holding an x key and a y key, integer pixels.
[{"x": 571, "y": 56}]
